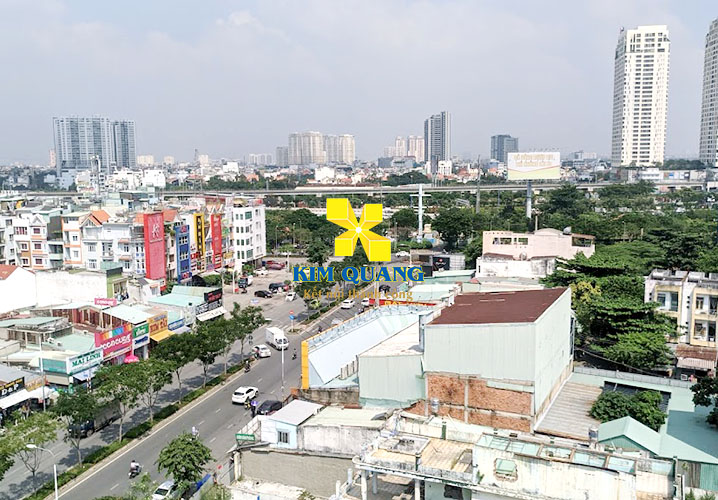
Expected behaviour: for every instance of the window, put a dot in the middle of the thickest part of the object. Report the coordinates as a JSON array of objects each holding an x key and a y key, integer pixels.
[
  {"x": 37, "y": 246},
  {"x": 126, "y": 265},
  {"x": 92, "y": 264},
  {"x": 75, "y": 254},
  {"x": 38, "y": 262},
  {"x": 667, "y": 301},
  {"x": 91, "y": 247},
  {"x": 36, "y": 230},
  {"x": 283, "y": 437},
  {"x": 25, "y": 262},
  {"x": 74, "y": 237},
  {"x": 505, "y": 469},
  {"x": 23, "y": 247},
  {"x": 20, "y": 230}
]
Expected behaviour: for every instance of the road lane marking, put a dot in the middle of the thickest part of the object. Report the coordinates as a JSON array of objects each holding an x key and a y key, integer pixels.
[
  {"x": 229, "y": 426},
  {"x": 212, "y": 440},
  {"x": 218, "y": 410},
  {"x": 200, "y": 422},
  {"x": 115, "y": 486},
  {"x": 259, "y": 380}
]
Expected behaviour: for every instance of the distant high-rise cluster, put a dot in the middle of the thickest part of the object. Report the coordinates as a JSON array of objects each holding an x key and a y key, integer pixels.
[
  {"x": 502, "y": 145},
  {"x": 437, "y": 137},
  {"x": 259, "y": 159},
  {"x": 307, "y": 148},
  {"x": 282, "y": 156},
  {"x": 411, "y": 146},
  {"x": 708, "y": 149},
  {"x": 79, "y": 141},
  {"x": 640, "y": 96},
  {"x": 415, "y": 147}
]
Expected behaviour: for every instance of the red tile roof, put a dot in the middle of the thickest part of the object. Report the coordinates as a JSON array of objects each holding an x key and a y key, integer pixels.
[
  {"x": 6, "y": 270},
  {"x": 524, "y": 306},
  {"x": 697, "y": 352}
]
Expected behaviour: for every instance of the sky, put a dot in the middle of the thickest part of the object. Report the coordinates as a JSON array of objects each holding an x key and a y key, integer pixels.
[{"x": 236, "y": 77}]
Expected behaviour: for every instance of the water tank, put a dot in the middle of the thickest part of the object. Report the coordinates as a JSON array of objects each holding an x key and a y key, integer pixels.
[
  {"x": 434, "y": 406},
  {"x": 593, "y": 434}
]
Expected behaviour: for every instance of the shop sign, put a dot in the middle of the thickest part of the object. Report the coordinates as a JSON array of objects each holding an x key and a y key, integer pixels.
[
  {"x": 140, "y": 341},
  {"x": 212, "y": 296},
  {"x": 101, "y": 301},
  {"x": 141, "y": 330},
  {"x": 157, "y": 323},
  {"x": 82, "y": 362},
  {"x": 175, "y": 325},
  {"x": 9, "y": 387},
  {"x": 54, "y": 365},
  {"x": 114, "y": 340}
]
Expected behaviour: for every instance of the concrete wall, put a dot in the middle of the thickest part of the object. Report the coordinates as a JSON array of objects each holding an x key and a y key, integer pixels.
[
  {"x": 391, "y": 380},
  {"x": 62, "y": 287},
  {"x": 348, "y": 396},
  {"x": 539, "y": 244},
  {"x": 335, "y": 439},
  {"x": 296, "y": 469}
]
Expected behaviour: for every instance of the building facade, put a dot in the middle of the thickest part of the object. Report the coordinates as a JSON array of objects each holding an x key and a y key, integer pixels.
[
  {"x": 502, "y": 145},
  {"x": 282, "y": 156},
  {"x": 708, "y": 148},
  {"x": 249, "y": 230},
  {"x": 640, "y": 96},
  {"x": 80, "y": 140},
  {"x": 437, "y": 137},
  {"x": 306, "y": 148},
  {"x": 415, "y": 147},
  {"x": 123, "y": 144}
]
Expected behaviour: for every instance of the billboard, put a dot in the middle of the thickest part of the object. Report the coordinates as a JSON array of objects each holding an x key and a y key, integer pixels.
[
  {"x": 154, "y": 245},
  {"x": 538, "y": 165},
  {"x": 216, "y": 221},
  {"x": 199, "y": 237},
  {"x": 115, "y": 342}
]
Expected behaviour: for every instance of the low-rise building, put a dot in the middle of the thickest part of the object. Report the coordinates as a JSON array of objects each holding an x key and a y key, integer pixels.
[{"x": 17, "y": 288}]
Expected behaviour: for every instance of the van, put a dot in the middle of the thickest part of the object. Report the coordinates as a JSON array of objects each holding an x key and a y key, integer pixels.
[
  {"x": 276, "y": 338},
  {"x": 105, "y": 416}
]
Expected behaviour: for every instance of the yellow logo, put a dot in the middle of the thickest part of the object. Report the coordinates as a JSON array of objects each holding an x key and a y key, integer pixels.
[{"x": 377, "y": 248}]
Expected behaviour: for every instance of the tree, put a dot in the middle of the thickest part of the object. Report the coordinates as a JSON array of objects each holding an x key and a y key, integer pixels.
[
  {"x": 473, "y": 251},
  {"x": 705, "y": 393},
  {"x": 142, "y": 488},
  {"x": 210, "y": 343},
  {"x": 405, "y": 220},
  {"x": 642, "y": 406},
  {"x": 566, "y": 201},
  {"x": 6, "y": 459},
  {"x": 37, "y": 429},
  {"x": 317, "y": 253},
  {"x": 243, "y": 323},
  {"x": 116, "y": 384},
  {"x": 149, "y": 377},
  {"x": 178, "y": 350},
  {"x": 184, "y": 458},
  {"x": 453, "y": 224},
  {"x": 708, "y": 260},
  {"x": 75, "y": 410}
]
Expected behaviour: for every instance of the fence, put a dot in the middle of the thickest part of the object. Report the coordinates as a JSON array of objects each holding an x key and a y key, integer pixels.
[{"x": 635, "y": 377}]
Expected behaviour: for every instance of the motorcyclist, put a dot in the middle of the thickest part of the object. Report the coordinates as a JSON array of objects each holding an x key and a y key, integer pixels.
[
  {"x": 195, "y": 432},
  {"x": 246, "y": 366},
  {"x": 294, "y": 354},
  {"x": 134, "y": 466}
]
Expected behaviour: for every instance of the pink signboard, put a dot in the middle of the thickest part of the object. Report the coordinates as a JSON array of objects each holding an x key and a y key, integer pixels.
[
  {"x": 154, "y": 245},
  {"x": 100, "y": 301},
  {"x": 114, "y": 342}
]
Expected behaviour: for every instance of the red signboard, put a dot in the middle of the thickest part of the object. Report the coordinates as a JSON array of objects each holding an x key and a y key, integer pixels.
[
  {"x": 154, "y": 246},
  {"x": 216, "y": 221},
  {"x": 112, "y": 341},
  {"x": 101, "y": 301}
]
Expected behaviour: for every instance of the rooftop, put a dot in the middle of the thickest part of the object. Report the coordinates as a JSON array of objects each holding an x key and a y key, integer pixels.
[
  {"x": 33, "y": 321},
  {"x": 348, "y": 417},
  {"x": 131, "y": 314},
  {"x": 403, "y": 343},
  {"x": 6, "y": 270},
  {"x": 523, "y": 306},
  {"x": 177, "y": 299},
  {"x": 197, "y": 291},
  {"x": 296, "y": 412}
]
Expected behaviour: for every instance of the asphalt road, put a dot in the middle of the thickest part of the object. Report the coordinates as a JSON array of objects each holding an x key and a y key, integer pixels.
[{"x": 216, "y": 418}]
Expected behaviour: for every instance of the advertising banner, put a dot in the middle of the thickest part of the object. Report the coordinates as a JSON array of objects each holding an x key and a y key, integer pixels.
[
  {"x": 199, "y": 236},
  {"x": 157, "y": 323},
  {"x": 114, "y": 342},
  {"x": 216, "y": 222},
  {"x": 154, "y": 245},
  {"x": 100, "y": 301},
  {"x": 538, "y": 165},
  {"x": 82, "y": 362},
  {"x": 9, "y": 387}
]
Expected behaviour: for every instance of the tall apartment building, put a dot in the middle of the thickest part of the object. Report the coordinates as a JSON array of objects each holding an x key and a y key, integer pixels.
[
  {"x": 437, "y": 137},
  {"x": 399, "y": 146},
  {"x": 708, "y": 148},
  {"x": 259, "y": 159},
  {"x": 502, "y": 145},
  {"x": 282, "y": 156},
  {"x": 346, "y": 150},
  {"x": 249, "y": 230},
  {"x": 123, "y": 143},
  {"x": 415, "y": 147},
  {"x": 640, "y": 96},
  {"x": 78, "y": 140},
  {"x": 306, "y": 148}
]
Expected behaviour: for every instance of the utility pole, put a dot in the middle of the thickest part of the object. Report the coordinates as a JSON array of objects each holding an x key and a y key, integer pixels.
[
  {"x": 421, "y": 196},
  {"x": 478, "y": 185}
]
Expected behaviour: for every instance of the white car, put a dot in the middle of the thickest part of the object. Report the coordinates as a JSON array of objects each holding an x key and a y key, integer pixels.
[
  {"x": 365, "y": 302},
  {"x": 261, "y": 272},
  {"x": 242, "y": 394},
  {"x": 262, "y": 351},
  {"x": 403, "y": 254},
  {"x": 347, "y": 304},
  {"x": 165, "y": 490},
  {"x": 290, "y": 296}
]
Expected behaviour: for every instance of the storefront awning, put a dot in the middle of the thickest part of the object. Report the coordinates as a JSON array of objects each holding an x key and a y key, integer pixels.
[
  {"x": 47, "y": 391},
  {"x": 86, "y": 374},
  {"x": 182, "y": 329},
  {"x": 206, "y": 316},
  {"x": 14, "y": 398},
  {"x": 161, "y": 335},
  {"x": 700, "y": 364}
]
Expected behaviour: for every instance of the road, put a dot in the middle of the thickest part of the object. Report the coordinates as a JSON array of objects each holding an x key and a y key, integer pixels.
[{"x": 217, "y": 419}]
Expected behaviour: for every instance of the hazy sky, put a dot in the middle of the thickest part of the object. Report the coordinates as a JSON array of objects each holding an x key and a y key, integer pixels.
[{"x": 236, "y": 77}]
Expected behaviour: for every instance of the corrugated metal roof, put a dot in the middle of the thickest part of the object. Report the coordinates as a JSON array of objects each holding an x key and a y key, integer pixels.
[
  {"x": 632, "y": 429},
  {"x": 34, "y": 321},
  {"x": 196, "y": 291},
  {"x": 524, "y": 306},
  {"x": 178, "y": 300},
  {"x": 348, "y": 417},
  {"x": 128, "y": 313},
  {"x": 296, "y": 412}
]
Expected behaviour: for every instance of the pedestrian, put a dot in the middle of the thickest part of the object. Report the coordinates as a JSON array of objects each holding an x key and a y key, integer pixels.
[{"x": 253, "y": 405}]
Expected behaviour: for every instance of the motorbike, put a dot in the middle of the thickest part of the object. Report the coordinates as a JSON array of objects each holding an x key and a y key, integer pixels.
[
  {"x": 135, "y": 471},
  {"x": 294, "y": 355},
  {"x": 246, "y": 368}
]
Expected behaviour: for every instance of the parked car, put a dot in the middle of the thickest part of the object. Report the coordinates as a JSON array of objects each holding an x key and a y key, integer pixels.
[
  {"x": 277, "y": 263},
  {"x": 168, "y": 489},
  {"x": 384, "y": 288},
  {"x": 245, "y": 281},
  {"x": 403, "y": 254},
  {"x": 365, "y": 302},
  {"x": 242, "y": 394},
  {"x": 269, "y": 406},
  {"x": 266, "y": 294},
  {"x": 261, "y": 272},
  {"x": 276, "y": 287},
  {"x": 104, "y": 417},
  {"x": 290, "y": 296},
  {"x": 347, "y": 304},
  {"x": 262, "y": 351}
]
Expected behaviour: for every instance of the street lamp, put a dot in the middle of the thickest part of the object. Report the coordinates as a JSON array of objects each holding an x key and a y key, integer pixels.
[{"x": 31, "y": 446}]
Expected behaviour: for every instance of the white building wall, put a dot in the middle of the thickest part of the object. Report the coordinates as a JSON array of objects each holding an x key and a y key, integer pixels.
[
  {"x": 62, "y": 287},
  {"x": 17, "y": 291},
  {"x": 708, "y": 150}
]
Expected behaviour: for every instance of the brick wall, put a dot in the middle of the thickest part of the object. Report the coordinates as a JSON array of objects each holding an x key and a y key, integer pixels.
[{"x": 476, "y": 394}]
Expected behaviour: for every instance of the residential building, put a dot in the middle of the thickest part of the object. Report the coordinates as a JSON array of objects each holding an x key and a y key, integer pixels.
[
  {"x": 79, "y": 141},
  {"x": 259, "y": 159},
  {"x": 145, "y": 160},
  {"x": 105, "y": 241},
  {"x": 63, "y": 287},
  {"x": 437, "y": 137},
  {"x": 282, "y": 156},
  {"x": 691, "y": 298},
  {"x": 306, "y": 148},
  {"x": 444, "y": 167},
  {"x": 640, "y": 96},
  {"x": 529, "y": 255},
  {"x": 708, "y": 147},
  {"x": 415, "y": 147},
  {"x": 123, "y": 144},
  {"x": 249, "y": 230},
  {"x": 346, "y": 150},
  {"x": 17, "y": 288},
  {"x": 502, "y": 145},
  {"x": 72, "y": 237},
  {"x": 400, "y": 148},
  {"x": 168, "y": 161}
]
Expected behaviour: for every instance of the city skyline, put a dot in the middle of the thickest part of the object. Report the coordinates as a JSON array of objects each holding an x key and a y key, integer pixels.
[{"x": 178, "y": 65}]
